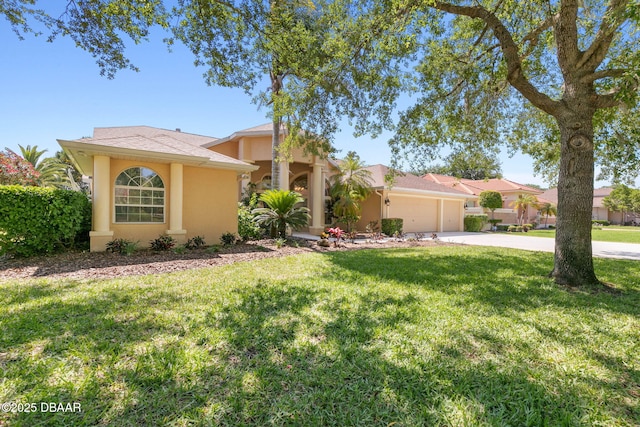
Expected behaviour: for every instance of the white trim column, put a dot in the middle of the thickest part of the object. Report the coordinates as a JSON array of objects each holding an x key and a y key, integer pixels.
[
  {"x": 317, "y": 191},
  {"x": 101, "y": 232},
  {"x": 175, "y": 203}
]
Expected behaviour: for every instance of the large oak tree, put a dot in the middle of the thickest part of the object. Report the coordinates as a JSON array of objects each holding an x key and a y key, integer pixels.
[{"x": 554, "y": 79}]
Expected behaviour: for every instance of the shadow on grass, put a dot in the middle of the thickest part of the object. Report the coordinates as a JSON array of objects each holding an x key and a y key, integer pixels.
[
  {"x": 302, "y": 352},
  {"x": 493, "y": 277}
]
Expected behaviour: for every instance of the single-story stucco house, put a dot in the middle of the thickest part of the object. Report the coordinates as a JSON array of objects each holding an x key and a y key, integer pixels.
[{"x": 148, "y": 182}]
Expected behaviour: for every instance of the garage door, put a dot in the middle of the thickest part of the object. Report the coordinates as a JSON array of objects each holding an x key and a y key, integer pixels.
[
  {"x": 451, "y": 218},
  {"x": 419, "y": 214}
]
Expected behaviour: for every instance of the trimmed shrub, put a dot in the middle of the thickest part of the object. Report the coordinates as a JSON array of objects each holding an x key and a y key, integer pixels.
[
  {"x": 474, "y": 222},
  {"x": 122, "y": 246},
  {"x": 503, "y": 227},
  {"x": 600, "y": 222},
  {"x": 229, "y": 239},
  {"x": 195, "y": 243},
  {"x": 392, "y": 226},
  {"x": 163, "y": 243},
  {"x": 37, "y": 220}
]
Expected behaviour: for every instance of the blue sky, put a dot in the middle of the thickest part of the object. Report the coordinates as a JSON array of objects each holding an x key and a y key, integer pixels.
[{"x": 54, "y": 91}]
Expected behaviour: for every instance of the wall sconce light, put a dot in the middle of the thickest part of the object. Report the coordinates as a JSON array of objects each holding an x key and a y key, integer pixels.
[{"x": 387, "y": 202}]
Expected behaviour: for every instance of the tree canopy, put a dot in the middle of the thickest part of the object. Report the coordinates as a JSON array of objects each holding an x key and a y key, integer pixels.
[
  {"x": 554, "y": 79},
  {"x": 467, "y": 164}
]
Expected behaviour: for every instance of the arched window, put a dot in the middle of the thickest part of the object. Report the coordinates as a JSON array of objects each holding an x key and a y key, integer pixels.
[{"x": 139, "y": 196}]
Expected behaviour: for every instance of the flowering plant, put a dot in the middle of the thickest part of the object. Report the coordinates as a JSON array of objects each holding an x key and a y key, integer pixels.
[{"x": 337, "y": 234}]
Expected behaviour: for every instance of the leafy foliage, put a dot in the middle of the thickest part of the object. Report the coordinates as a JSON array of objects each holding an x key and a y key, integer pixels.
[
  {"x": 163, "y": 243},
  {"x": 248, "y": 229},
  {"x": 195, "y": 242},
  {"x": 522, "y": 203},
  {"x": 349, "y": 187},
  {"x": 467, "y": 164},
  {"x": 491, "y": 200},
  {"x": 623, "y": 199},
  {"x": 282, "y": 211},
  {"x": 391, "y": 226},
  {"x": 15, "y": 170},
  {"x": 52, "y": 170},
  {"x": 122, "y": 246},
  {"x": 36, "y": 220},
  {"x": 547, "y": 209},
  {"x": 228, "y": 238},
  {"x": 474, "y": 222}
]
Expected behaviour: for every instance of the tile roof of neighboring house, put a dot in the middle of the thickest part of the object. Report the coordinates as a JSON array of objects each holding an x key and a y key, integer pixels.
[
  {"x": 409, "y": 181},
  {"x": 598, "y": 194},
  {"x": 477, "y": 186},
  {"x": 152, "y": 143}
]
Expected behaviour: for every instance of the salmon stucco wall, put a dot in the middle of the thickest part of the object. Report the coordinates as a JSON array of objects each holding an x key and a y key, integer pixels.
[
  {"x": 142, "y": 233},
  {"x": 210, "y": 203}
]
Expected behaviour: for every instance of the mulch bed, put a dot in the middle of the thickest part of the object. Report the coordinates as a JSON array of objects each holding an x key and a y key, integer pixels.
[{"x": 105, "y": 265}]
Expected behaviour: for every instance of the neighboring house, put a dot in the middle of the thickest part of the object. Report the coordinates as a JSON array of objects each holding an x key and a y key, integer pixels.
[
  {"x": 510, "y": 191},
  {"x": 424, "y": 206},
  {"x": 148, "y": 182},
  {"x": 599, "y": 210}
]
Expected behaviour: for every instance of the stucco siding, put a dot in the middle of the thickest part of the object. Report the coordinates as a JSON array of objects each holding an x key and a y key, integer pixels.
[
  {"x": 210, "y": 203},
  {"x": 370, "y": 212}
]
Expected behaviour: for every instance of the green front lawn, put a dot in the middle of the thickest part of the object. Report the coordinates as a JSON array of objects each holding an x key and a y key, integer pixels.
[
  {"x": 451, "y": 336},
  {"x": 620, "y": 235}
]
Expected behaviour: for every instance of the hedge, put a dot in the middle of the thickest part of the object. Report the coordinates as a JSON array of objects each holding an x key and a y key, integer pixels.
[
  {"x": 391, "y": 226},
  {"x": 600, "y": 222},
  {"x": 474, "y": 222},
  {"x": 37, "y": 220}
]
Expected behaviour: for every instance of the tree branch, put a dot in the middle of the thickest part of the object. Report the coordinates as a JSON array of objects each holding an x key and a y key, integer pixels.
[
  {"x": 596, "y": 53},
  {"x": 590, "y": 78},
  {"x": 509, "y": 48}
]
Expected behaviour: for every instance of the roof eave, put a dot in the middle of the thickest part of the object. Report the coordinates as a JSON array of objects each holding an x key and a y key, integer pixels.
[{"x": 79, "y": 149}]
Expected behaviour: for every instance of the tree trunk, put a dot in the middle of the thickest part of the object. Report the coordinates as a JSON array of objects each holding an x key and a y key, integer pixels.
[
  {"x": 573, "y": 263},
  {"x": 275, "y": 153}
]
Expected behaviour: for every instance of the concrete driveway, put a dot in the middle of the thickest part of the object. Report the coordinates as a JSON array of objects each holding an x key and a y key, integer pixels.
[{"x": 545, "y": 244}]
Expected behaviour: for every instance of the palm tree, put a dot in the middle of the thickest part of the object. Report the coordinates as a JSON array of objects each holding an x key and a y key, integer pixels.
[
  {"x": 282, "y": 211},
  {"x": 53, "y": 172},
  {"x": 522, "y": 203},
  {"x": 547, "y": 209},
  {"x": 349, "y": 187}
]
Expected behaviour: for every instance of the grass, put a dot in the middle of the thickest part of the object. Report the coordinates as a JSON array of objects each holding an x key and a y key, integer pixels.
[
  {"x": 606, "y": 234},
  {"x": 445, "y": 336}
]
